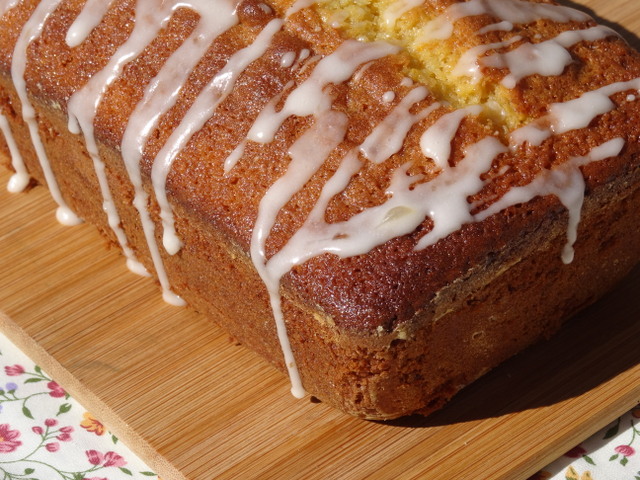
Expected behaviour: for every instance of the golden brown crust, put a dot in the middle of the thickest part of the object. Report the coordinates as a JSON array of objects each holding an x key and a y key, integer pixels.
[{"x": 388, "y": 333}]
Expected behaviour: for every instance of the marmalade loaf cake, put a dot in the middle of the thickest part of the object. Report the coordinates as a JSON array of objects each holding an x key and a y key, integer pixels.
[{"x": 387, "y": 198}]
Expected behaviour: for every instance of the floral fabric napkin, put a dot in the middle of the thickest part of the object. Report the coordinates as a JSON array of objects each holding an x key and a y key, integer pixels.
[
  {"x": 611, "y": 454},
  {"x": 46, "y": 435}
]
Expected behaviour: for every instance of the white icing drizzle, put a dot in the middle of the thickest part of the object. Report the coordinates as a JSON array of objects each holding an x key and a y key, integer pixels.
[
  {"x": 533, "y": 133},
  {"x": 309, "y": 97},
  {"x": 435, "y": 142},
  {"x": 162, "y": 94},
  {"x": 304, "y": 54},
  {"x": 363, "y": 68},
  {"x": 511, "y": 11},
  {"x": 503, "y": 26},
  {"x": 20, "y": 179},
  {"x": 579, "y": 112},
  {"x": 198, "y": 114},
  {"x": 316, "y": 235},
  {"x": 572, "y": 114},
  {"x": 468, "y": 65},
  {"x": 388, "y": 136},
  {"x": 82, "y": 118},
  {"x": 83, "y": 107},
  {"x": 545, "y": 58},
  {"x": 565, "y": 182},
  {"x": 388, "y": 97},
  {"x": 398, "y": 8},
  {"x": 235, "y": 156},
  {"x": 442, "y": 199},
  {"x": 308, "y": 154},
  {"x": 30, "y": 32},
  {"x": 288, "y": 59},
  {"x": 406, "y": 82},
  {"x": 445, "y": 197},
  {"x": 6, "y": 5},
  {"x": 299, "y": 5},
  {"x": 265, "y": 8},
  {"x": 270, "y": 106},
  {"x": 90, "y": 17}
]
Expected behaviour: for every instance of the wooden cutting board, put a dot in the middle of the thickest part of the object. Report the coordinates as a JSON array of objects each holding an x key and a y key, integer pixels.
[{"x": 195, "y": 405}]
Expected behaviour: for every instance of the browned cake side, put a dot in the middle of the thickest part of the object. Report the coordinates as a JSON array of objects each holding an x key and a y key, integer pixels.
[{"x": 379, "y": 335}]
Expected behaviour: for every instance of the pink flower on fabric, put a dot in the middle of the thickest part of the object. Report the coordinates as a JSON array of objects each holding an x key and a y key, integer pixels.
[
  {"x": 94, "y": 457},
  {"x": 56, "y": 390},
  {"x": 14, "y": 370},
  {"x": 52, "y": 447},
  {"x": 109, "y": 459},
  {"x": 50, "y": 422},
  {"x": 37, "y": 430},
  {"x": 8, "y": 442},
  {"x": 625, "y": 450},
  {"x": 64, "y": 437},
  {"x": 112, "y": 459}
]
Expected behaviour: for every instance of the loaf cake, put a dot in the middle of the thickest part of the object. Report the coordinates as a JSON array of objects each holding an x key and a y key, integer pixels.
[{"x": 384, "y": 199}]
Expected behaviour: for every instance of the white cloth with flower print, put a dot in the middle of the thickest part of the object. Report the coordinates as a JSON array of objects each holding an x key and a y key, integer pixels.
[
  {"x": 611, "y": 454},
  {"x": 46, "y": 435}
]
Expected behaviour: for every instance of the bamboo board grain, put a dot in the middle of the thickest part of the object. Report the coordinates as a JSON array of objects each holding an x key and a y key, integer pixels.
[{"x": 196, "y": 406}]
